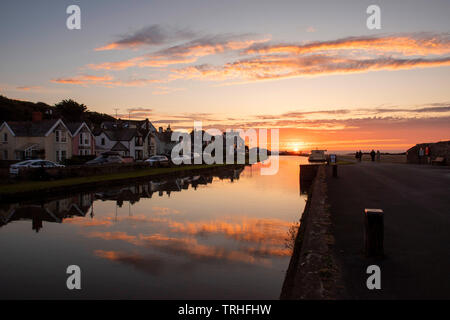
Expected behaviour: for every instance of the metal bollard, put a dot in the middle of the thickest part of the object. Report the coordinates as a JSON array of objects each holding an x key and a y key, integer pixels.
[
  {"x": 335, "y": 170},
  {"x": 374, "y": 232}
]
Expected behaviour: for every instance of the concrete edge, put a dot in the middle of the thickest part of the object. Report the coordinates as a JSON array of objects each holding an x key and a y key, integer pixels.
[{"x": 313, "y": 271}]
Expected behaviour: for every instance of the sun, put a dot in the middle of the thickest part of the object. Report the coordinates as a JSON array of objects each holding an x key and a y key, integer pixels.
[{"x": 296, "y": 146}]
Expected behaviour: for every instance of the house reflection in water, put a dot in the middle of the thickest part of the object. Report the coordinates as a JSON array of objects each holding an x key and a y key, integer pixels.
[
  {"x": 52, "y": 211},
  {"x": 81, "y": 204},
  {"x": 140, "y": 190},
  {"x": 221, "y": 234}
]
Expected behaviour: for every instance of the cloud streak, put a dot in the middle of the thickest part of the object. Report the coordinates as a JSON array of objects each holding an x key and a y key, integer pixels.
[
  {"x": 185, "y": 53},
  {"x": 347, "y": 55},
  {"x": 282, "y": 67},
  {"x": 407, "y": 44},
  {"x": 105, "y": 81},
  {"x": 151, "y": 35},
  {"x": 257, "y": 59}
]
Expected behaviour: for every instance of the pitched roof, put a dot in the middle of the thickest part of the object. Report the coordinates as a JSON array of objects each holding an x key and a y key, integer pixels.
[
  {"x": 122, "y": 134},
  {"x": 73, "y": 126},
  {"x": 119, "y": 147},
  {"x": 120, "y": 123},
  {"x": 31, "y": 129},
  {"x": 165, "y": 136}
]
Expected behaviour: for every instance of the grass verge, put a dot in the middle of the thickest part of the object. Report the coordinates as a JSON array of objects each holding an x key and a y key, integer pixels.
[{"x": 42, "y": 185}]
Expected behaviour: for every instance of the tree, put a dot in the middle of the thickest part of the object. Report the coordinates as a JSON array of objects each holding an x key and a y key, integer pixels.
[{"x": 71, "y": 110}]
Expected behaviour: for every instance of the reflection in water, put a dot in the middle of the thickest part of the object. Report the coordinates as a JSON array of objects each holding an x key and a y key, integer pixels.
[
  {"x": 53, "y": 211},
  {"x": 224, "y": 234}
]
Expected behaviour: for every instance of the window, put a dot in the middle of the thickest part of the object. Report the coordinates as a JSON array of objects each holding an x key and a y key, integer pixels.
[
  {"x": 5, "y": 154},
  {"x": 29, "y": 153},
  {"x": 61, "y": 155},
  {"x": 5, "y": 137},
  {"x": 103, "y": 142},
  {"x": 60, "y": 136},
  {"x": 138, "y": 141},
  {"x": 84, "y": 152},
  {"x": 138, "y": 155},
  {"x": 84, "y": 139}
]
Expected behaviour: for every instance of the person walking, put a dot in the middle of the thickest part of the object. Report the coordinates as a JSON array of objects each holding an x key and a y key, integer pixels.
[
  {"x": 378, "y": 156},
  {"x": 372, "y": 155},
  {"x": 428, "y": 154},
  {"x": 421, "y": 153},
  {"x": 359, "y": 155}
]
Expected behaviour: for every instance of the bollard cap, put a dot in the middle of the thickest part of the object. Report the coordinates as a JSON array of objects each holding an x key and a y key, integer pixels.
[{"x": 373, "y": 211}]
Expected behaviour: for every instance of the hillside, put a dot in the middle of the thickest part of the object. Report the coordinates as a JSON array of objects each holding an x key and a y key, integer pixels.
[{"x": 17, "y": 110}]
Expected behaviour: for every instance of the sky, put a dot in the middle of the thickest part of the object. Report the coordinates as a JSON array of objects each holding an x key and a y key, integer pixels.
[{"x": 312, "y": 69}]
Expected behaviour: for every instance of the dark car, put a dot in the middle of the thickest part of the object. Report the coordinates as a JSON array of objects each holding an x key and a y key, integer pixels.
[
  {"x": 158, "y": 161},
  {"x": 106, "y": 158}
]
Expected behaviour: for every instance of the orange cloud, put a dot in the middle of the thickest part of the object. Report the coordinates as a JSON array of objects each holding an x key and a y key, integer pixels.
[
  {"x": 413, "y": 44},
  {"x": 248, "y": 230},
  {"x": 119, "y": 65},
  {"x": 117, "y": 235},
  {"x": 82, "y": 221},
  {"x": 150, "y": 35},
  {"x": 110, "y": 46},
  {"x": 107, "y": 81},
  {"x": 282, "y": 67},
  {"x": 28, "y": 88},
  {"x": 180, "y": 54},
  {"x": 84, "y": 79}
]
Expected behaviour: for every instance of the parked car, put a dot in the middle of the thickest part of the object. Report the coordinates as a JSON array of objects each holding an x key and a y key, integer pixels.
[
  {"x": 38, "y": 163},
  {"x": 158, "y": 161},
  {"x": 106, "y": 158}
]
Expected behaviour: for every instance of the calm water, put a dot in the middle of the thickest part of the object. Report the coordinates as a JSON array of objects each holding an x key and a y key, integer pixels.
[{"x": 201, "y": 237}]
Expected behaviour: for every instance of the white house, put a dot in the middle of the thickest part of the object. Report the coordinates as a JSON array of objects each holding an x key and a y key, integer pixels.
[{"x": 128, "y": 142}]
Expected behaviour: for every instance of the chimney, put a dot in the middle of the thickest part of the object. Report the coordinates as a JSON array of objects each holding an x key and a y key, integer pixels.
[
  {"x": 147, "y": 124},
  {"x": 160, "y": 129},
  {"x": 36, "y": 116}
]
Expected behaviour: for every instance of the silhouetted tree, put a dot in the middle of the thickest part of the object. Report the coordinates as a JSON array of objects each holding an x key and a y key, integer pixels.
[{"x": 70, "y": 110}]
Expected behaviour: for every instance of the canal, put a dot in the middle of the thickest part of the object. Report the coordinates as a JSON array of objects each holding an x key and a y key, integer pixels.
[{"x": 226, "y": 235}]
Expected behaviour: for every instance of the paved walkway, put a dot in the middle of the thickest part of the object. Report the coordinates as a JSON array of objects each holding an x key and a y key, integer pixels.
[{"x": 416, "y": 203}]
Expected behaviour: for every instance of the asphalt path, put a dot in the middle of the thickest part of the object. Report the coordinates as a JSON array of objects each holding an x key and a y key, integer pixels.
[{"x": 416, "y": 204}]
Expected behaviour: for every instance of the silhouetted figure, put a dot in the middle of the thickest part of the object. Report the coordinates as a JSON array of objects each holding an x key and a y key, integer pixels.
[
  {"x": 421, "y": 153},
  {"x": 372, "y": 155},
  {"x": 378, "y": 156},
  {"x": 360, "y": 154},
  {"x": 428, "y": 154}
]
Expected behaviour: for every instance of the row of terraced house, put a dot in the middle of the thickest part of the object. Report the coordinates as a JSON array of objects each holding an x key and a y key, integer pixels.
[{"x": 57, "y": 140}]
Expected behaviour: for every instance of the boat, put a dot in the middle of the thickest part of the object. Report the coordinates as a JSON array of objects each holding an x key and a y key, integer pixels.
[{"x": 317, "y": 156}]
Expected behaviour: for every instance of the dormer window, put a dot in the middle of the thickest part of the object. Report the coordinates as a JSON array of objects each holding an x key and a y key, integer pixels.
[{"x": 5, "y": 137}]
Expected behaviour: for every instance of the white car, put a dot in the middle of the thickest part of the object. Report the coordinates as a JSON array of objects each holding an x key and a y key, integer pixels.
[
  {"x": 157, "y": 161},
  {"x": 15, "y": 168}
]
